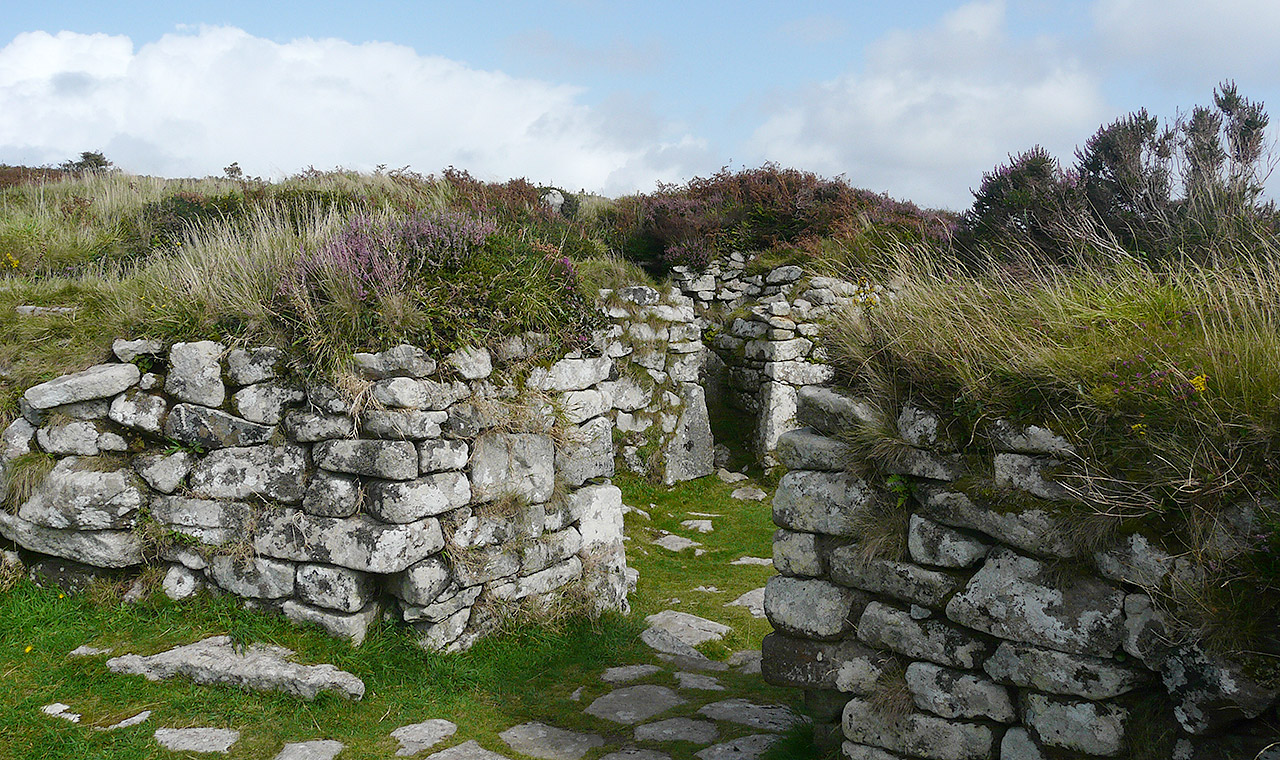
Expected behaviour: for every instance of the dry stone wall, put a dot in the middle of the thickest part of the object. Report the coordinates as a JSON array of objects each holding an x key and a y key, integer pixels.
[
  {"x": 445, "y": 491},
  {"x": 986, "y": 632}
]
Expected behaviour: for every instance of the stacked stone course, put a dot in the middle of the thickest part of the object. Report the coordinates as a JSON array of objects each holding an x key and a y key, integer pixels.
[{"x": 1000, "y": 649}]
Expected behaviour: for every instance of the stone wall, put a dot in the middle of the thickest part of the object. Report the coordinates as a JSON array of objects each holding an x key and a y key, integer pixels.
[
  {"x": 952, "y": 613},
  {"x": 440, "y": 492}
]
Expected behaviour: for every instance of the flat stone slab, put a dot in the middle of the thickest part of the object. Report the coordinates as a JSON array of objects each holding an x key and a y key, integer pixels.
[
  {"x": 60, "y": 710},
  {"x": 635, "y": 753},
  {"x": 678, "y": 730},
  {"x": 127, "y": 722},
  {"x": 661, "y": 641},
  {"x": 698, "y": 681},
  {"x": 633, "y": 704},
  {"x": 467, "y": 751},
  {"x": 323, "y": 749},
  {"x": 730, "y": 477},
  {"x": 753, "y": 600},
  {"x": 197, "y": 739},
  {"x": 749, "y": 493},
  {"x": 702, "y": 526},
  {"x": 746, "y": 748},
  {"x": 753, "y": 561},
  {"x": 627, "y": 673},
  {"x": 85, "y": 650},
  {"x": 763, "y": 717},
  {"x": 548, "y": 742},
  {"x": 746, "y": 661},
  {"x": 690, "y": 629},
  {"x": 674, "y": 543},
  {"x": 416, "y": 737},
  {"x": 258, "y": 667}
]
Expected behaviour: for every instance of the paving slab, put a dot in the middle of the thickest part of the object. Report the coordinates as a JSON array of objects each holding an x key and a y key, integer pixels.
[
  {"x": 698, "y": 681},
  {"x": 690, "y": 629},
  {"x": 548, "y": 742},
  {"x": 662, "y": 641},
  {"x": 211, "y": 740},
  {"x": 678, "y": 730},
  {"x": 627, "y": 673},
  {"x": 633, "y": 704},
  {"x": 702, "y": 526},
  {"x": 674, "y": 543},
  {"x": 753, "y": 600},
  {"x": 746, "y": 748},
  {"x": 467, "y": 751},
  {"x": 323, "y": 749},
  {"x": 416, "y": 737},
  {"x": 763, "y": 717}
]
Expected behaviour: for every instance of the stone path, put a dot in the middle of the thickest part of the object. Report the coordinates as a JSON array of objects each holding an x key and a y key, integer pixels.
[
  {"x": 197, "y": 739},
  {"x": 419, "y": 736},
  {"x": 632, "y": 704},
  {"x": 324, "y": 749},
  {"x": 548, "y": 742}
]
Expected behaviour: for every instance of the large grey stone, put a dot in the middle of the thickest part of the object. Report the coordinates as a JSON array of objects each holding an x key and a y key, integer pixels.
[
  {"x": 1061, "y": 673},
  {"x": 333, "y": 495},
  {"x": 335, "y": 588},
  {"x": 796, "y": 554},
  {"x": 512, "y": 464},
  {"x": 440, "y": 396},
  {"x": 406, "y": 501},
  {"x": 258, "y": 666},
  {"x": 419, "y": 736},
  {"x": 1013, "y": 597},
  {"x": 180, "y": 583},
  {"x": 165, "y": 472},
  {"x": 831, "y": 412},
  {"x": 547, "y": 580},
  {"x": 75, "y": 495},
  {"x": 271, "y": 472},
  {"x": 128, "y": 350},
  {"x": 351, "y": 627},
  {"x": 752, "y": 600},
  {"x": 846, "y": 665},
  {"x": 598, "y": 511},
  {"x": 1091, "y": 727},
  {"x": 390, "y": 460},
  {"x": 743, "y": 748},
  {"x": 1028, "y": 473},
  {"x": 309, "y": 427},
  {"x": 1017, "y": 744},
  {"x": 70, "y": 437},
  {"x": 806, "y": 449},
  {"x": 1035, "y": 531},
  {"x": 678, "y": 730},
  {"x": 586, "y": 454},
  {"x": 633, "y": 704},
  {"x": 932, "y": 543},
  {"x": 400, "y": 361},
  {"x": 571, "y": 374},
  {"x": 627, "y": 394},
  {"x": 466, "y": 751},
  {"x": 16, "y": 439},
  {"x": 1031, "y": 439},
  {"x": 548, "y": 742},
  {"x": 402, "y": 424},
  {"x": 551, "y": 548},
  {"x": 957, "y": 694},
  {"x": 254, "y": 365},
  {"x": 775, "y": 718},
  {"x": 1135, "y": 560},
  {"x": 98, "y": 548},
  {"x": 195, "y": 373},
  {"x": 1211, "y": 692},
  {"x": 320, "y": 749},
  {"x": 101, "y": 381},
  {"x": 265, "y": 403},
  {"x": 256, "y": 577},
  {"x": 690, "y": 629},
  {"x": 916, "y": 734},
  {"x": 891, "y": 628},
  {"x": 442, "y": 455},
  {"x": 854, "y": 751},
  {"x": 137, "y": 409},
  {"x": 360, "y": 542},
  {"x": 398, "y": 393},
  {"x": 208, "y": 520},
  {"x": 203, "y": 740},
  {"x": 900, "y": 580},
  {"x": 689, "y": 453},
  {"x": 213, "y": 429},
  {"x": 662, "y": 641},
  {"x": 579, "y": 406},
  {"x": 777, "y": 416},
  {"x": 820, "y": 502},
  {"x": 422, "y": 583},
  {"x": 813, "y": 609},
  {"x": 471, "y": 362}
]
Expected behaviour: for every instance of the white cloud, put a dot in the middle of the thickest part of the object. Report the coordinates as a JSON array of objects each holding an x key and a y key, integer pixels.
[
  {"x": 192, "y": 102},
  {"x": 932, "y": 109}
]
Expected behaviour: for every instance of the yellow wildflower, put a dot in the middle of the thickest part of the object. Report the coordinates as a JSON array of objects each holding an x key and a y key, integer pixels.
[
  {"x": 1139, "y": 428},
  {"x": 1200, "y": 383},
  {"x": 28, "y": 649}
]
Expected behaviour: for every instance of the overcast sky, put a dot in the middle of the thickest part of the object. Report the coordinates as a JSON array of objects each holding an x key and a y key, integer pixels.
[{"x": 915, "y": 98}]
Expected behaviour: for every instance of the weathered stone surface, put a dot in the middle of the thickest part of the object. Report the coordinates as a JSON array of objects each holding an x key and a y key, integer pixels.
[
  {"x": 471, "y": 362},
  {"x": 778, "y": 350},
  {"x": 321, "y": 749},
  {"x": 512, "y": 463},
  {"x": 1210, "y": 692},
  {"x": 204, "y": 740},
  {"x": 763, "y": 717},
  {"x": 137, "y": 409},
  {"x": 580, "y": 406},
  {"x": 749, "y": 493},
  {"x": 332, "y": 495},
  {"x": 1031, "y": 439},
  {"x": 1033, "y": 530},
  {"x": 1018, "y": 745},
  {"x": 442, "y": 455},
  {"x": 678, "y": 730},
  {"x": 806, "y": 449},
  {"x": 99, "y": 548},
  {"x": 830, "y": 412},
  {"x": 1061, "y": 673},
  {"x": 254, "y": 365},
  {"x": 422, "y": 583},
  {"x": 485, "y": 527},
  {"x": 661, "y": 641},
  {"x": 548, "y": 742},
  {"x": 466, "y": 751},
  {"x": 690, "y": 629},
  {"x": 777, "y": 416},
  {"x": 212, "y": 428},
  {"x": 399, "y": 393},
  {"x": 628, "y": 673},
  {"x": 165, "y": 472},
  {"x": 1135, "y": 560},
  {"x": 957, "y": 694},
  {"x": 180, "y": 583},
  {"x": 208, "y": 520},
  {"x": 627, "y": 394},
  {"x": 335, "y": 588},
  {"x": 482, "y": 565},
  {"x": 744, "y": 748},
  {"x": 195, "y": 374},
  {"x": 441, "y": 396},
  {"x": 698, "y": 681},
  {"x": 402, "y": 424},
  {"x": 256, "y": 577},
  {"x": 101, "y": 381},
  {"x": 891, "y": 628},
  {"x": 571, "y": 374},
  {"x": 75, "y": 495},
  {"x": 128, "y": 350},
  {"x": 419, "y": 736},
  {"x": 900, "y": 580},
  {"x": 78, "y": 437},
  {"x": 351, "y": 627},
  {"x": 265, "y": 403},
  {"x": 1091, "y": 727},
  {"x": 689, "y": 453},
  {"x": 932, "y": 543},
  {"x": 854, "y": 751},
  {"x": 799, "y": 372},
  {"x": 272, "y": 472},
  {"x": 820, "y": 502},
  {"x": 1027, "y": 473},
  {"x": 633, "y": 704},
  {"x": 1010, "y": 597},
  {"x": 259, "y": 667},
  {"x": 309, "y": 427},
  {"x": 919, "y": 463},
  {"x": 390, "y": 460},
  {"x": 796, "y": 554},
  {"x": 360, "y": 542},
  {"x": 587, "y": 454},
  {"x": 553, "y": 547},
  {"x": 16, "y": 439},
  {"x": 916, "y": 734},
  {"x": 752, "y": 600},
  {"x": 812, "y": 609},
  {"x": 401, "y": 361},
  {"x": 845, "y": 665},
  {"x": 407, "y": 501},
  {"x": 547, "y": 580}
]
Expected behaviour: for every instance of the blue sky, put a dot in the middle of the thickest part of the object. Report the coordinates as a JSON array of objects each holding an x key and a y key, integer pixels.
[{"x": 915, "y": 99}]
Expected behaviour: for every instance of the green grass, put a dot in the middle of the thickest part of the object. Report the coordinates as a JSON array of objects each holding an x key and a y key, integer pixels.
[{"x": 509, "y": 679}]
